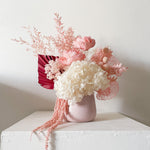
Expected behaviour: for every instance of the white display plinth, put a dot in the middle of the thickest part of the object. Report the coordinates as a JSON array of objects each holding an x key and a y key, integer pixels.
[{"x": 111, "y": 131}]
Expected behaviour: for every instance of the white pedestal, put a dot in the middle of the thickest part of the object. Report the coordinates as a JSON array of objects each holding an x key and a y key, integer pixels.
[{"x": 111, "y": 131}]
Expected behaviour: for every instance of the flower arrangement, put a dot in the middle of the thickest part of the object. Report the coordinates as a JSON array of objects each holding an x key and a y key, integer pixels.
[{"x": 75, "y": 72}]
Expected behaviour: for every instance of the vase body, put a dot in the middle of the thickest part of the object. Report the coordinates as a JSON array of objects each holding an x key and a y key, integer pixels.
[{"x": 83, "y": 111}]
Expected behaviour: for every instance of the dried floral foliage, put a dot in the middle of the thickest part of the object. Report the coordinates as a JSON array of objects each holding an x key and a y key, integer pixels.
[
  {"x": 109, "y": 63},
  {"x": 64, "y": 39},
  {"x": 42, "y": 44},
  {"x": 39, "y": 43},
  {"x": 53, "y": 69}
]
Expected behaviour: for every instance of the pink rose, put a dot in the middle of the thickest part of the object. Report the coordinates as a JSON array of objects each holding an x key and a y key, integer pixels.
[
  {"x": 67, "y": 57},
  {"x": 84, "y": 43}
]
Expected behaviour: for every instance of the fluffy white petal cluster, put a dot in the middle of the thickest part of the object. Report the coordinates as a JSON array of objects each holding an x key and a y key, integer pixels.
[{"x": 80, "y": 79}]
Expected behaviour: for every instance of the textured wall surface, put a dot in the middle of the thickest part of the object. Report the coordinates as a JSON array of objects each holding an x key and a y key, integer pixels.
[{"x": 124, "y": 25}]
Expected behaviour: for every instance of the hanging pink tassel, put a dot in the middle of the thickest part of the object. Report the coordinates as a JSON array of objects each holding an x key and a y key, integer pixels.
[{"x": 60, "y": 110}]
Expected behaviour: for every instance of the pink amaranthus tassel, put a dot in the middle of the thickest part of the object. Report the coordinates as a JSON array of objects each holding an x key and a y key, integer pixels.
[{"x": 61, "y": 108}]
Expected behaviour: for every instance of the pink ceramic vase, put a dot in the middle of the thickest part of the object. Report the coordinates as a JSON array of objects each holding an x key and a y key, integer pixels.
[{"x": 83, "y": 111}]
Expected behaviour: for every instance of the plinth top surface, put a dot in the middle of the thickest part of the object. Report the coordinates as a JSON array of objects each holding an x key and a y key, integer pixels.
[{"x": 103, "y": 122}]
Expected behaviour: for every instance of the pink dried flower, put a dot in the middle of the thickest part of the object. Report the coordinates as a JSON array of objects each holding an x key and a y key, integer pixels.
[
  {"x": 53, "y": 69},
  {"x": 114, "y": 68},
  {"x": 39, "y": 43},
  {"x": 67, "y": 57},
  {"x": 84, "y": 43},
  {"x": 109, "y": 63},
  {"x": 109, "y": 92},
  {"x": 117, "y": 69},
  {"x": 64, "y": 38},
  {"x": 102, "y": 56}
]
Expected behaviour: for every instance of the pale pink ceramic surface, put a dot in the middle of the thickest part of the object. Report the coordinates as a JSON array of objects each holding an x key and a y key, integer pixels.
[{"x": 82, "y": 111}]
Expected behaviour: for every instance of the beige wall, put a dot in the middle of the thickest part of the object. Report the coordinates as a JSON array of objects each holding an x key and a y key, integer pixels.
[{"x": 122, "y": 24}]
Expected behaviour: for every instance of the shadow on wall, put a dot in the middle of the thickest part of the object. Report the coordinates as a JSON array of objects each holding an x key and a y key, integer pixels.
[
  {"x": 135, "y": 93},
  {"x": 16, "y": 104}
]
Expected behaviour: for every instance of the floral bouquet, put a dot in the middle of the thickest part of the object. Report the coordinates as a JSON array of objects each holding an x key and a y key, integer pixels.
[{"x": 75, "y": 72}]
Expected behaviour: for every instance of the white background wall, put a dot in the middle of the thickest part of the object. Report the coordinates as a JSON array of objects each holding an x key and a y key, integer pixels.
[{"x": 122, "y": 24}]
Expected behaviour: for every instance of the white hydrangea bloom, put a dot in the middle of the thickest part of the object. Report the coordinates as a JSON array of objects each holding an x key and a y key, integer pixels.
[{"x": 80, "y": 79}]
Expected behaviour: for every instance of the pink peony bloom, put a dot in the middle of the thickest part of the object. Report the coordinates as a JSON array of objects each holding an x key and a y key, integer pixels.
[
  {"x": 84, "y": 43},
  {"x": 67, "y": 57}
]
